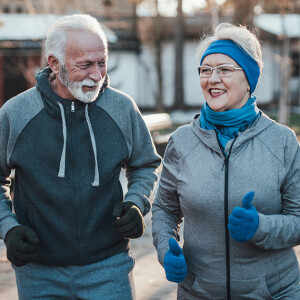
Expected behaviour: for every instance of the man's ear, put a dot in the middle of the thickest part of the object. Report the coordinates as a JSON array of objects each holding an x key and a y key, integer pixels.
[{"x": 53, "y": 64}]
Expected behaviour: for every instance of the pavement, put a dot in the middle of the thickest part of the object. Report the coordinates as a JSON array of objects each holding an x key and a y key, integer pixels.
[
  {"x": 149, "y": 276},
  {"x": 150, "y": 281}
]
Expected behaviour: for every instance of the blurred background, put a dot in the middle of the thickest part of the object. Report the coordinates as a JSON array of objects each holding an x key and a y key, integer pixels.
[{"x": 152, "y": 47}]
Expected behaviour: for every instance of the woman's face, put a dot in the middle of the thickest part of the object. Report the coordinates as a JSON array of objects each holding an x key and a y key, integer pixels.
[{"x": 222, "y": 94}]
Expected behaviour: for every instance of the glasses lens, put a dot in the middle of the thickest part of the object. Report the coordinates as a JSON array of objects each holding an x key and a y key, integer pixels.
[
  {"x": 225, "y": 70},
  {"x": 204, "y": 71}
]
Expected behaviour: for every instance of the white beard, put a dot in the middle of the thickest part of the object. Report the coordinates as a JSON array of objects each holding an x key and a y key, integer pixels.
[{"x": 75, "y": 87}]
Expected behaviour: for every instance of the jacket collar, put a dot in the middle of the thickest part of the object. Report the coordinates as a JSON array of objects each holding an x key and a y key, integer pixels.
[
  {"x": 51, "y": 99},
  {"x": 209, "y": 137}
]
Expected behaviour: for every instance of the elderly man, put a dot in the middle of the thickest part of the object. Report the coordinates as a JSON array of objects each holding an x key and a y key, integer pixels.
[{"x": 67, "y": 139}]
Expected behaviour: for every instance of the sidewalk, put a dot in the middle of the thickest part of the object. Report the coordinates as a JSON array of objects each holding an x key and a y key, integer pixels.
[
  {"x": 150, "y": 281},
  {"x": 149, "y": 276}
]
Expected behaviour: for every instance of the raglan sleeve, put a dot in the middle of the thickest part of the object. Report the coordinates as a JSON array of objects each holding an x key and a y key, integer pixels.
[
  {"x": 166, "y": 211},
  {"x": 7, "y": 217},
  {"x": 142, "y": 163},
  {"x": 283, "y": 230}
]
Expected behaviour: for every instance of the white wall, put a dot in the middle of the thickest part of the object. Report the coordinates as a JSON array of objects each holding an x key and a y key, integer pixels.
[
  {"x": 136, "y": 75},
  {"x": 123, "y": 71},
  {"x": 269, "y": 79}
]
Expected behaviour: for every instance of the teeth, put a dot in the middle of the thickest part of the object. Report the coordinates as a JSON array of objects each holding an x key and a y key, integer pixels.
[{"x": 216, "y": 91}]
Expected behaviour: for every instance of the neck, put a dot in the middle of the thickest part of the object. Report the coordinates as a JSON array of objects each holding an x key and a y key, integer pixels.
[{"x": 61, "y": 90}]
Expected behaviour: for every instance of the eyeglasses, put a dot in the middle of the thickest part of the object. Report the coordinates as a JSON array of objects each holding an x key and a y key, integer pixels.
[{"x": 222, "y": 70}]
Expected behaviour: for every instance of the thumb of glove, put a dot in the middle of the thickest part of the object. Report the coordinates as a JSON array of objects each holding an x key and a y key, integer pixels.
[
  {"x": 174, "y": 247},
  {"x": 119, "y": 210},
  {"x": 247, "y": 200}
]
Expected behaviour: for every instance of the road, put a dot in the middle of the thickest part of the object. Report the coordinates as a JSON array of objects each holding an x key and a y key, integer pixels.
[
  {"x": 149, "y": 276},
  {"x": 150, "y": 280}
]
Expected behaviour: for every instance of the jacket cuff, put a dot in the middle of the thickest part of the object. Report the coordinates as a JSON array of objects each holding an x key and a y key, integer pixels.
[
  {"x": 140, "y": 203},
  {"x": 6, "y": 225},
  {"x": 262, "y": 229}
]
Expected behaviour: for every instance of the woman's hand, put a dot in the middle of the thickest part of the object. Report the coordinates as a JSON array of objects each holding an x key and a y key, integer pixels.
[
  {"x": 243, "y": 221},
  {"x": 174, "y": 263}
]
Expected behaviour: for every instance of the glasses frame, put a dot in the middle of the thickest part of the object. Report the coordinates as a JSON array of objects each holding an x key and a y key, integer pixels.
[{"x": 217, "y": 70}]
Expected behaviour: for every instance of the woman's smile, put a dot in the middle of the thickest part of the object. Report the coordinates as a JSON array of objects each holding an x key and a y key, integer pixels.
[{"x": 216, "y": 92}]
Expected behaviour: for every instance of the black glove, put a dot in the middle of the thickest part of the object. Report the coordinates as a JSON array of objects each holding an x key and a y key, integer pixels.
[
  {"x": 129, "y": 220},
  {"x": 21, "y": 245}
]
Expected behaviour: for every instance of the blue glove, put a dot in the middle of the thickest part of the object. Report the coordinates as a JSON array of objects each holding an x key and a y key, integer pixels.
[
  {"x": 243, "y": 221},
  {"x": 174, "y": 262}
]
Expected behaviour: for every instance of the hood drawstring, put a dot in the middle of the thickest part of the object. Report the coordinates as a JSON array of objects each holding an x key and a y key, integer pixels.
[
  {"x": 96, "y": 178},
  {"x": 62, "y": 165}
]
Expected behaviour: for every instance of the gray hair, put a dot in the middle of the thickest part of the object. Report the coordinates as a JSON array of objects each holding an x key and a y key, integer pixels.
[
  {"x": 57, "y": 34},
  {"x": 238, "y": 34}
]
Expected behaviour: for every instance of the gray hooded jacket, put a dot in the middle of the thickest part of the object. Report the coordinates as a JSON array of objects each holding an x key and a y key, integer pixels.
[
  {"x": 67, "y": 157},
  {"x": 201, "y": 185}
]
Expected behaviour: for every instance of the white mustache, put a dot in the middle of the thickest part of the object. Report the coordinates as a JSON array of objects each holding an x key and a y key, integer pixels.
[{"x": 90, "y": 82}]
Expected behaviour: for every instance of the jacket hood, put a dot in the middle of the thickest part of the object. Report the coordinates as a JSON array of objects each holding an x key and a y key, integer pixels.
[{"x": 208, "y": 137}]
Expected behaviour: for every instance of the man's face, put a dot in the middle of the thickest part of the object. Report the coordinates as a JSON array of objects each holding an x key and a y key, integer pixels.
[{"x": 85, "y": 67}]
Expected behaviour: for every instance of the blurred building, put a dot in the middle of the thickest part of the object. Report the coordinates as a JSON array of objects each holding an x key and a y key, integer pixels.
[
  {"x": 23, "y": 28},
  {"x": 134, "y": 44},
  {"x": 275, "y": 29},
  {"x": 102, "y": 8}
]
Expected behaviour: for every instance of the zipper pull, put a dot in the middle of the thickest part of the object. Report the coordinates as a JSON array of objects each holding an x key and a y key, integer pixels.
[{"x": 73, "y": 106}]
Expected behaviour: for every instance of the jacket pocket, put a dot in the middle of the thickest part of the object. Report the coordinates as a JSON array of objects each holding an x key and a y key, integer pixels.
[
  {"x": 202, "y": 289},
  {"x": 255, "y": 289}
]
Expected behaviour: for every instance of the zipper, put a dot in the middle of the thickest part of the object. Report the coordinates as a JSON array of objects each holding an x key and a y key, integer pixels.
[
  {"x": 226, "y": 164},
  {"x": 74, "y": 182}
]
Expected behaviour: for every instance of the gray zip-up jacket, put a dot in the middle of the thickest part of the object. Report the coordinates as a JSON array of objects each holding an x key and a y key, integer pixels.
[
  {"x": 202, "y": 186},
  {"x": 67, "y": 158}
]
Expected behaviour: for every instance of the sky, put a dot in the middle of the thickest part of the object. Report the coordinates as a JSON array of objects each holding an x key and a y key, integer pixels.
[{"x": 169, "y": 7}]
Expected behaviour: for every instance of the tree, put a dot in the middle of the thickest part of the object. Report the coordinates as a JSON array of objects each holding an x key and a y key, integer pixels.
[
  {"x": 243, "y": 12},
  {"x": 214, "y": 13},
  {"x": 179, "y": 42},
  {"x": 150, "y": 31},
  {"x": 158, "y": 62}
]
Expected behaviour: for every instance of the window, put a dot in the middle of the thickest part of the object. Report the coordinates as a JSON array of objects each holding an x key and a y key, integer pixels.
[
  {"x": 19, "y": 10},
  {"x": 6, "y": 9},
  {"x": 295, "y": 64}
]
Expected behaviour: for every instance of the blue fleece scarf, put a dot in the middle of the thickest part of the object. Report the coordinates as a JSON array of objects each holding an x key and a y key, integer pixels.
[{"x": 229, "y": 123}]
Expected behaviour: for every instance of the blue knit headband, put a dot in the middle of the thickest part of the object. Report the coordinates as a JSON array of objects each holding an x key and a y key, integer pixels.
[{"x": 245, "y": 61}]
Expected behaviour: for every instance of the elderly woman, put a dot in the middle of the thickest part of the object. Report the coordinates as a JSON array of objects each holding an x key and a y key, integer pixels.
[{"x": 233, "y": 176}]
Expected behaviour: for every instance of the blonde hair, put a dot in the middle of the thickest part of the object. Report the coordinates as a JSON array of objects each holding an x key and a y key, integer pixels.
[{"x": 238, "y": 34}]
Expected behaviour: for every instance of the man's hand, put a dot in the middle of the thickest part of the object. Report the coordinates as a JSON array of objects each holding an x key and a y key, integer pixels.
[
  {"x": 174, "y": 262},
  {"x": 21, "y": 245},
  {"x": 129, "y": 220},
  {"x": 243, "y": 222}
]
